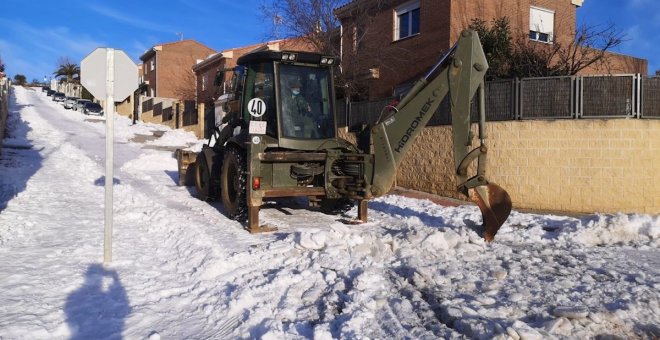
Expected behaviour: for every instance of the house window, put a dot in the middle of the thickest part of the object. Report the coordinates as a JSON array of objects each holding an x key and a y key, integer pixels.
[
  {"x": 407, "y": 20},
  {"x": 152, "y": 64},
  {"x": 204, "y": 82},
  {"x": 541, "y": 24}
]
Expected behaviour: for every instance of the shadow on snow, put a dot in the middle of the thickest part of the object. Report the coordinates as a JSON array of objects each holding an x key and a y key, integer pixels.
[
  {"x": 18, "y": 160},
  {"x": 99, "y": 308}
]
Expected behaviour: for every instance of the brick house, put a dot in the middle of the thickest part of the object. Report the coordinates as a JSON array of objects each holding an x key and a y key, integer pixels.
[
  {"x": 403, "y": 38},
  {"x": 166, "y": 70}
]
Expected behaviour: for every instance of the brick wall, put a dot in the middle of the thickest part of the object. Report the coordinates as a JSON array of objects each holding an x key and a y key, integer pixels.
[{"x": 573, "y": 165}]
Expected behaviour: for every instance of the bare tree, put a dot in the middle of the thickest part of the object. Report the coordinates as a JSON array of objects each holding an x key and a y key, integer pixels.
[
  {"x": 316, "y": 22},
  {"x": 589, "y": 48},
  {"x": 2, "y": 65},
  {"x": 313, "y": 20},
  {"x": 185, "y": 85}
]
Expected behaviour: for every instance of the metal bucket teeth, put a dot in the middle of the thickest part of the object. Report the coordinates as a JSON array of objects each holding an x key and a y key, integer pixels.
[{"x": 495, "y": 205}]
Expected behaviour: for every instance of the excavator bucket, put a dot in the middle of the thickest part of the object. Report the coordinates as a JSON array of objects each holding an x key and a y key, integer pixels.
[{"x": 495, "y": 205}]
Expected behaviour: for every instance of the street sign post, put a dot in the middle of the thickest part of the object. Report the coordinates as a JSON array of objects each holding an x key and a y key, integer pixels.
[{"x": 108, "y": 73}]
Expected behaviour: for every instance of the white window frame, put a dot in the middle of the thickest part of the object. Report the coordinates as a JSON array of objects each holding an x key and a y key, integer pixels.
[
  {"x": 405, "y": 9},
  {"x": 538, "y": 29},
  {"x": 152, "y": 64}
]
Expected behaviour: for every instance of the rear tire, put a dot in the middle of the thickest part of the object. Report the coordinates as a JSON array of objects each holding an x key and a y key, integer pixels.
[
  {"x": 234, "y": 184},
  {"x": 203, "y": 183}
]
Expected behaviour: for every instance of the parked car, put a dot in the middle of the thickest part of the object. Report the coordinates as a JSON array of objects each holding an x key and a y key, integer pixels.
[
  {"x": 45, "y": 89},
  {"x": 59, "y": 97},
  {"x": 93, "y": 108},
  {"x": 70, "y": 102},
  {"x": 80, "y": 104},
  {"x": 50, "y": 92}
]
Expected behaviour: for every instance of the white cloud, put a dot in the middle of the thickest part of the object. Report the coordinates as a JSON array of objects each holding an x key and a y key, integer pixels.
[{"x": 132, "y": 21}]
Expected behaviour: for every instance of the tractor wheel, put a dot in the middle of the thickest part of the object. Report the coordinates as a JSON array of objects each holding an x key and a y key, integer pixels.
[
  {"x": 234, "y": 184},
  {"x": 334, "y": 206},
  {"x": 206, "y": 191}
]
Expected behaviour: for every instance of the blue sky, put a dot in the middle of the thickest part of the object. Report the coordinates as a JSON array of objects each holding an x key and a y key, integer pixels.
[{"x": 34, "y": 34}]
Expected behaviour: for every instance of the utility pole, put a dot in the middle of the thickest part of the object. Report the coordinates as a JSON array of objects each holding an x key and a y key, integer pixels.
[{"x": 180, "y": 34}]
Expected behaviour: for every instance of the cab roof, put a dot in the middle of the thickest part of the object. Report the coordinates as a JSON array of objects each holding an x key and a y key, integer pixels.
[{"x": 300, "y": 57}]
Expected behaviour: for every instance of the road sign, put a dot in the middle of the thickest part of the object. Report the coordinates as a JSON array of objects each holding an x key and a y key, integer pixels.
[
  {"x": 108, "y": 74},
  {"x": 94, "y": 73}
]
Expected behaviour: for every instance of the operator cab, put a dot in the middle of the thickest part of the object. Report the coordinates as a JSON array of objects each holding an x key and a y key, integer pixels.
[{"x": 288, "y": 96}]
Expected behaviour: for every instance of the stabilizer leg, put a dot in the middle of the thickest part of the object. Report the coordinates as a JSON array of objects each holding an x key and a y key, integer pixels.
[
  {"x": 362, "y": 211},
  {"x": 253, "y": 222}
]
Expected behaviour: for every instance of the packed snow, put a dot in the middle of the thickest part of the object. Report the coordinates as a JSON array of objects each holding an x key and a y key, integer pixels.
[{"x": 182, "y": 270}]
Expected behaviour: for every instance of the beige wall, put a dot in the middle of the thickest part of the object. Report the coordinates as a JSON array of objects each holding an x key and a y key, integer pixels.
[{"x": 572, "y": 165}]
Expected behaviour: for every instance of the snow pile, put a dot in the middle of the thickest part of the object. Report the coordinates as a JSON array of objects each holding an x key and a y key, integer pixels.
[
  {"x": 620, "y": 229},
  {"x": 175, "y": 138}
]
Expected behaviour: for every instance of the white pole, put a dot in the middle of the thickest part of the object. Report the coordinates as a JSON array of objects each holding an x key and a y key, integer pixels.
[{"x": 109, "y": 153}]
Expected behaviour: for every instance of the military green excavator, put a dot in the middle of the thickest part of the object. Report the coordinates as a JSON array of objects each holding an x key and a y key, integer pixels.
[{"x": 278, "y": 137}]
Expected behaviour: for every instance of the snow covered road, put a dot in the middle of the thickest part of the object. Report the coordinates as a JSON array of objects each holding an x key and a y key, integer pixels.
[{"x": 182, "y": 270}]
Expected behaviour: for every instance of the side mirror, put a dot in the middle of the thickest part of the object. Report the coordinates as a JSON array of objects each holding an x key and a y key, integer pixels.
[
  {"x": 237, "y": 80},
  {"x": 219, "y": 78}
]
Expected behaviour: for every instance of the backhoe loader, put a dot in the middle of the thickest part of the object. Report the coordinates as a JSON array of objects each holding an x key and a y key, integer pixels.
[{"x": 278, "y": 137}]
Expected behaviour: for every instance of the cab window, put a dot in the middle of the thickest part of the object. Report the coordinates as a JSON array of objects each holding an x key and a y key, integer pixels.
[{"x": 259, "y": 84}]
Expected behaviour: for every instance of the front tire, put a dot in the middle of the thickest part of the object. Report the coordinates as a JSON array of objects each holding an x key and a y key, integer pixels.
[
  {"x": 203, "y": 182},
  {"x": 234, "y": 184}
]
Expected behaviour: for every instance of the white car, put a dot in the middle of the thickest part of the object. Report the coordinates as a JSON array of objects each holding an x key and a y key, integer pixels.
[
  {"x": 70, "y": 102},
  {"x": 59, "y": 97}
]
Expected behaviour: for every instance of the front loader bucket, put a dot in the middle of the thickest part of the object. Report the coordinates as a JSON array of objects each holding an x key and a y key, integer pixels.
[
  {"x": 495, "y": 205},
  {"x": 186, "y": 161}
]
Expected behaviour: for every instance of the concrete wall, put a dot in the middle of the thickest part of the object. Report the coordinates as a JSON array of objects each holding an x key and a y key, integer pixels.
[
  {"x": 148, "y": 116},
  {"x": 568, "y": 165}
]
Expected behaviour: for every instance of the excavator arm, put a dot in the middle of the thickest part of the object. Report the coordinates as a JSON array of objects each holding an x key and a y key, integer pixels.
[{"x": 459, "y": 75}]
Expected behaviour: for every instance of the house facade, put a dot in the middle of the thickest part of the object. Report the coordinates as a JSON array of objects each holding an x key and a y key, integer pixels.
[
  {"x": 167, "y": 69},
  {"x": 400, "y": 39}
]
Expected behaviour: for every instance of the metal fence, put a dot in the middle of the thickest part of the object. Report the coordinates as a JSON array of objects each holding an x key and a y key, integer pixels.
[
  {"x": 148, "y": 105},
  {"x": 546, "y": 98},
  {"x": 651, "y": 98},
  {"x": 190, "y": 115},
  {"x": 158, "y": 109},
  {"x": 577, "y": 97},
  {"x": 167, "y": 113},
  {"x": 608, "y": 96}
]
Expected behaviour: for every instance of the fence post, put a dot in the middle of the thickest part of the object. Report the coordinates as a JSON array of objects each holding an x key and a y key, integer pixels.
[
  {"x": 517, "y": 102},
  {"x": 638, "y": 97},
  {"x": 201, "y": 119},
  {"x": 580, "y": 96}
]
